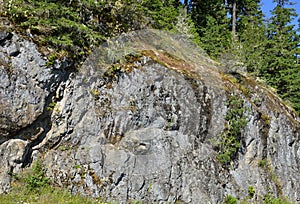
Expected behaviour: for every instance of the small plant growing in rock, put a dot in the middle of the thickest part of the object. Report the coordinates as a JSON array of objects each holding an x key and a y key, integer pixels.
[
  {"x": 266, "y": 119},
  {"x": 230, "y": 200},
  {"x": 64, "y": 148},
  {"x": 51, "y": 106},
  {"x": 51, "y": 59},
  {"x": 37, "y": 179},
  {"x": 251, "y": 192},
  {"x": 95, "y": 93},
  {"x": 263, "y": 163},
  {"x": 269, "y": 199}
]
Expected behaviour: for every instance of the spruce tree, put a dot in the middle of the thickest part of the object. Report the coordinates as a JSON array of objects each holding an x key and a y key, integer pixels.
[
  {"x": 161, "y": 14},
  {"x": 280, "y": 67},
  {"x": 212, "y": 24},
  {"x": 251, "y": 33}
]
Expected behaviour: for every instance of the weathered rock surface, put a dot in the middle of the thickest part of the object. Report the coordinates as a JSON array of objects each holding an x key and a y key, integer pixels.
[
  {"x": 26, "y": 84},
  {"x": 11, "y": 153},
  {"x": 148, "y": 129}
]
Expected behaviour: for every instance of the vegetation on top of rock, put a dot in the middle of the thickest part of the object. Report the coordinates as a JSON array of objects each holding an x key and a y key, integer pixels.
[
  {"x": 165, "y": 47},
  {"x": 62, "y": 25},
  {"x": 265, "y": 46},
  {"x": 75, "y": 28},
  {"x": 72, "y": 29}
]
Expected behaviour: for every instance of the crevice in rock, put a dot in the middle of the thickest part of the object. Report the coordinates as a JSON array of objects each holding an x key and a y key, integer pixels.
[
  {"x": 5, "y": 36},
  {"x": 264, "y": 132},
  {"x": 37, "y": 130},
  {"x": 120, "y": 179},
  {"x": 204, "y": 101}
]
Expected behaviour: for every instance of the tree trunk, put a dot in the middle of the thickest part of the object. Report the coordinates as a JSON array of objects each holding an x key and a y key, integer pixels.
[
  {"x": 186, "y": 5},
  {"x": 234, "y": 18}
]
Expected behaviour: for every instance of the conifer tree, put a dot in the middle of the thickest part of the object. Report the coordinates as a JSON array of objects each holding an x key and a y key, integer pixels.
[
  {"x": 212, "y": 24},
  {"x": 280, "y": 67},
  {"x": 251, "y": 33},
  {"x": 161, "y": 14},
  {"x": 74, "y": 27}
]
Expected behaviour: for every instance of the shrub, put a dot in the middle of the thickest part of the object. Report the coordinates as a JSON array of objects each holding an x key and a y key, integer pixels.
[
  {"x": 229, "y": 143},
  {"x": 51, "y": 106},
  {"x": 269, "y": 199},
  {"x": 263, "y": 163},
  {"x": 37, "y": 179},
  {"x": 230, "y": 200},
  {"x": 251, "y": 192}
]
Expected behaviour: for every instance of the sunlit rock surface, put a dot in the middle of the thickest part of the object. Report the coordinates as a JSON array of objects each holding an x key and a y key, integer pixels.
[{"x": 142, "y": 120}]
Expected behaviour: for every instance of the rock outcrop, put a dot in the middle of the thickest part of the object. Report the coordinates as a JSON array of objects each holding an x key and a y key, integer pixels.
[
  {"x": 26, "y": 87},
  {"x": 148, "y": 121}
]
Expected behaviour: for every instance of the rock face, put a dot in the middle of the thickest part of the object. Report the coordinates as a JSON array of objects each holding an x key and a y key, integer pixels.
[
  {"x": 25, "y": 89},
  {"x": 26, "y": 82},
  {"x": 149, "y": 127}
]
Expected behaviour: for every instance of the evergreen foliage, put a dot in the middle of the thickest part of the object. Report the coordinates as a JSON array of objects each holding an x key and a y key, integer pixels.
[
  {"x": 61, "y": 24},
  {"x": 216, "y": 39},
  {"x": 186, "y": 28},
  {"x": 75, "y": 27},
  {"x": 280, "y": 67},
  {"x": 267, "y": 49},
  {"x": 229, "y": 143},
  {"x": 251, "y": 36},
  {"x": 161, "y": 14},
  {"x": 212, "y": 24}
]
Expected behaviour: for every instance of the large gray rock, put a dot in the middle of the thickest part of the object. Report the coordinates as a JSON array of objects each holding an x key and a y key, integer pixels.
[
  {"x": 147, "y": 134},
  {"x": 26, "y": 83},
  {"x": 26, "y": 86},
  {"x": 149, "y": 129}
]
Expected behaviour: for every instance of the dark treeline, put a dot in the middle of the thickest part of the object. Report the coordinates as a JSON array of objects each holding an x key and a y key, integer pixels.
[{"x": 234, "y": 31}]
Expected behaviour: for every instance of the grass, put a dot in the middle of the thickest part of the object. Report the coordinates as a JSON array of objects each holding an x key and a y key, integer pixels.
[
  {"x": 32, "y": 186},
  {"x": 47, "y": 194}
]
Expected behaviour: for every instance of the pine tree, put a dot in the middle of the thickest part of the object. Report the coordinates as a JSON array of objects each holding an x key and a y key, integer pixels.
[
  {"x": 161, "y": 14},
  {"x": 280, "y": 67},
  {"x": 212, "y": 24},
  {"x": 186, "y": 27},
  {"x": 221, "y": 33},
  {"x": 216, "y": 38},
  {"x": 251, "y": 35},
  {"x": 74, "y": 27}
]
